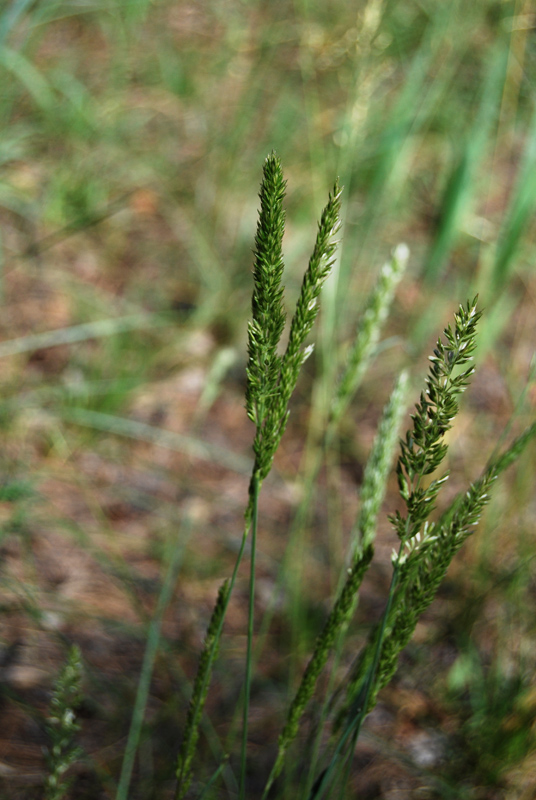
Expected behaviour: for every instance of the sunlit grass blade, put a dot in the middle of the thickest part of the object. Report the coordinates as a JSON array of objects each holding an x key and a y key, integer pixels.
[
  {"x": 520, "y": 211},
  {"x": 461, "y": 183},
  {"x": 390, "y": 132},
  {"x": 141, "y": 431},
  {"x": 81, "y": 333}
]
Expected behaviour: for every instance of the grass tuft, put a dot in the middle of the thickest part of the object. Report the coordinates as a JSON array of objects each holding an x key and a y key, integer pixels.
[{"x": 129, "y": 131}]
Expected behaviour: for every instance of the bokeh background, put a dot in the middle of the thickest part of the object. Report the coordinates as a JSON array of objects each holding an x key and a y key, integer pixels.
[{"x": 132, "y": 138}]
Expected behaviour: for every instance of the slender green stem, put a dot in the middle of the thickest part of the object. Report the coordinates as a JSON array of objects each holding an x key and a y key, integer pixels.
[
  {"x": 249, "y": 653},
  {"x": 271, "y": 379},
  {"x": 374, "y": 667},
  {"x": 360, "y": 705},
  {"x": 200, "y": 689}
]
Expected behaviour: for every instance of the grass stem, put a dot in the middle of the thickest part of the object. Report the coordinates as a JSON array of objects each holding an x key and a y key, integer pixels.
[{"x": 249, "y": 653}]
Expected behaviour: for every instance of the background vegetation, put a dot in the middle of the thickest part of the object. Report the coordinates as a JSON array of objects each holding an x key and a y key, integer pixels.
[{"x": 132, "y": 136}]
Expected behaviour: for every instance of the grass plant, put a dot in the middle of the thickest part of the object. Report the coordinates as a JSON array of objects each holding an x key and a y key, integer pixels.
[
  {"x": 128, "y": 132},
  {"x": 426, "y": 547},
  {"x": 62, "y": 726}
]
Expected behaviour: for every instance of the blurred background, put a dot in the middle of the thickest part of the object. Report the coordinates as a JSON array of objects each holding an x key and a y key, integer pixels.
[{"x": 132, "y": 139}]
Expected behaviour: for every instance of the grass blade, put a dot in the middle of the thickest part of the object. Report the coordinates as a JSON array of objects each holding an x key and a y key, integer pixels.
[
  {"x": 151, "y": 649},
  {"x": 10, "y": 17},
  {"x": 461, "y": 183},
  {"x": 81, "y": 333},
  {"x": 521, "y": 208}
]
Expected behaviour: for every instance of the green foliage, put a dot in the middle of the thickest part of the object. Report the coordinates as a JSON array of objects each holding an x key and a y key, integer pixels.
[
  {"x": 107, "y": 111},
  {"x": 519, "y": 213},
  {"x": 199, "y": 694},
  {"x": 495, "y": 714},
  {"x": 271, "y": 381},
  {"x": 426, "y": 547},
  {"x": 372, "y": 494}
]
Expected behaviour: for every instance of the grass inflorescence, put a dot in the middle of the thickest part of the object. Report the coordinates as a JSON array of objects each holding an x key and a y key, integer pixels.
[
  {"x": 129, "y": 131},
  {"x": 426, "y": 547},
  {"x": 62, "y": 726},
  {"x": 427, "y": 542}
]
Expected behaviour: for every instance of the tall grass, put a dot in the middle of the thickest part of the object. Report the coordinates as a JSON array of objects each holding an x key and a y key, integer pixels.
[
  {"x": 426, "y": 547},
  {"x": 130, "y": 135}
]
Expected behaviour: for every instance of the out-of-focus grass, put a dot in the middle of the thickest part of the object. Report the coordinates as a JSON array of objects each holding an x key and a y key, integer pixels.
[{"x": 131, "y": 137}]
